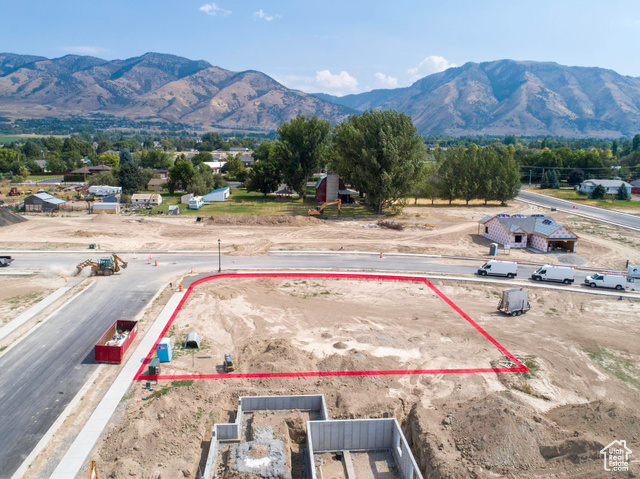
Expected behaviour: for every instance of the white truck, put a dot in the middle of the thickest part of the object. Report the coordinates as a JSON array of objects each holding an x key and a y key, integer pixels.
[
  {"x": 619, "y": 281},
  {"x": 495, "y": 267},
  {"x": 555, "y": 272},
  {"x": 634, "y": 270}
]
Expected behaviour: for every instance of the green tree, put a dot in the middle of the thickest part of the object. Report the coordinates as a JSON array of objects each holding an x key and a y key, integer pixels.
[
  {"x": 301, "y": 149},
  {"x": 550, "y": 179},
  {"x": 635, "y": 143},
  {"x": 235, "y": 168},
  {"x": 157, "y": 158},
  {"x": 576, "y": 177},
  {"x": 623, "y": 193},
  {"x": 201, "y": 157},
  {"x": 448, "y": 173},
  {"x": 379, "y": 153},
  {"x": 598, "y": 192},
  {"x": 264, "y": 177},
  {"x": 31, "y": 150},
  {"x": 126, "y": 156},
  {"x": 507, "y": 184},
  {"x": 130, "y": 177},
  {"x": 108, "y": 178},
  {"x": 181, "y": 174},
  {"x": 109, "y": 159}
]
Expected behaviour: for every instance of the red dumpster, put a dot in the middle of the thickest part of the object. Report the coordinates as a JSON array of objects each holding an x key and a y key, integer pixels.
[{"x": 111, "y": 347}]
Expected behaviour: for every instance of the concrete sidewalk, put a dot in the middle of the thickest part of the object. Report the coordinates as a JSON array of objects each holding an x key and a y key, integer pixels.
[{"x": 77, "y": 454}]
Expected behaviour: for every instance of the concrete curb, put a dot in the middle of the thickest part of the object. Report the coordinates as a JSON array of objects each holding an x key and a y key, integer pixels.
[
  {"x": 107, "y": 251},
  {"x": 76, "y": 455}
]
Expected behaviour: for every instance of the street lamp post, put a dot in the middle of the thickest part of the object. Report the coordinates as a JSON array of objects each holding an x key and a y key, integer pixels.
[{"x": 219, "y": 264}]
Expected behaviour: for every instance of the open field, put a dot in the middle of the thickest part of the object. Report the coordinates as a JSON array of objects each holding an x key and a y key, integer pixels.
[
  {"x": 577, "y": 397},
  {"x": 573, "y": 195},
  {"x": 19, "y": 293}
]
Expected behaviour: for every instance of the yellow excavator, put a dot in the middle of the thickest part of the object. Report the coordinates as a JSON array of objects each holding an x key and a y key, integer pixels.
[
  {"x": 105, "y": 266},
  {"x": 318, "y": 212}
]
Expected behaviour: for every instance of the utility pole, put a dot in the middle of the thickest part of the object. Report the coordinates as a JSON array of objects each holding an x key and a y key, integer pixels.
[
  {"x": 219, "y": 263},
  {"x": 530, "y": 177}
]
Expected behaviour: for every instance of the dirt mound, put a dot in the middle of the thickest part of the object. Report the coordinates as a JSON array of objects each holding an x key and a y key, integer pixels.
[
  {"x": 8, "y": 218},
  {"x": 275, "y": 356},
  {"x": 260, "y": 220},
  {"x": 107, "y": 219}
]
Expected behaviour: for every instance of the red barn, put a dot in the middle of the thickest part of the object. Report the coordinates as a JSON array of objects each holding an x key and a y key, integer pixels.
[{"x": 328, "y": 187}]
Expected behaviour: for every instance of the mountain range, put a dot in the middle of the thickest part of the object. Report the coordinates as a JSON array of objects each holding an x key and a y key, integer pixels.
[
  {"x": 153, "y": 86},
  {"x": 514, "y": 97},
  {"x": 501, "y": 97}
]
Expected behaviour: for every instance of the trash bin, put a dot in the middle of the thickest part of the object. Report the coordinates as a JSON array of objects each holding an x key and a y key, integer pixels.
[
  {"x": 164, "y": 350},
  {"x": 493, "y": 249}
]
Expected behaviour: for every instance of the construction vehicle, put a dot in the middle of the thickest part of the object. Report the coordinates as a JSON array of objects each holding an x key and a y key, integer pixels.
[
  {"x": 514, "y": 302},
  {"x": 318, "y": 212},
  {"x": 228, "y": 363},
  {"x": 14, "y": 192},
  {"x": 105, "y": 266}
]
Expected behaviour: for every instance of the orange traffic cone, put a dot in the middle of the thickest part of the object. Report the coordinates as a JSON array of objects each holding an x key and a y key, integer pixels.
[
  {"x": 191, "y": 270},
  {"x": 381, "y": 255},
  {"x": 156, "y": 263},
  {"x": 180, "y": 289}
]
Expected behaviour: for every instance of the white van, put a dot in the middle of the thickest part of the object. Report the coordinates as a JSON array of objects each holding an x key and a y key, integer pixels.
[
  {"x": 496, "y": 267},
  {"x": 634, "y": 271},
  {"x": 554, "y": 272},
  {"x": 618, "y": 281}
]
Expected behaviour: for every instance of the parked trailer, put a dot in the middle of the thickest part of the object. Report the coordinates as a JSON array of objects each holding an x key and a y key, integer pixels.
[
  {"x": 111, "y": 347},
  {"x": 5, "y": 261},
  {"x": 514, "y": 302},
  {"x": 619, "y": 281},
  {"x": 495, "y": 267},
  {"x": 555, "y": 272}
]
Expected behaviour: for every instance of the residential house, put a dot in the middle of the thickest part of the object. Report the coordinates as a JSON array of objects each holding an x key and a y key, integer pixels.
[
  {"x": 156, "y": 184},
  {"x": 216, "y": 166},
  {"x": 146, "y": 199},
  {"x": 91, "y": 170},
  {"x": 520, "y": 231},
  {"x": 635, "y": 187},
  {"x": 610, "y": 186}
]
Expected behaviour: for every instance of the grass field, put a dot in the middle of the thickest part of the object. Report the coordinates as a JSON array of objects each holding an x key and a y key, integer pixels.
[
  {"x": 243, "y": 202},
  {"x": 38, "y": 177},
  {"x": 572, "y": 195}
]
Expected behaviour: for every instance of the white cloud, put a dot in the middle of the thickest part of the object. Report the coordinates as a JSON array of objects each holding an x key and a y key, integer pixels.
[
  {"x": 386, "y": 81},
  {"x": 428, "y": 66},
  {"x": 324, "y": 81},
  {"x": 85, "y": 49},
  {"x": 214, "y": 10},
  {"x": 261, "y": 14},
  {"x": 340, "y": 81}
]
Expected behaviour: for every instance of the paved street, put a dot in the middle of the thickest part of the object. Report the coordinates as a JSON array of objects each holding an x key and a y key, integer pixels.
[
  {"x": 594, "y": 212},
  {"x": 45, "y": 370}
]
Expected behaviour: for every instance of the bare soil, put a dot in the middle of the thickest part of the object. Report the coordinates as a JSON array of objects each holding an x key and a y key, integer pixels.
[
  {"x": 581, "y": 393},
  {"x": 19, "y": 293}
]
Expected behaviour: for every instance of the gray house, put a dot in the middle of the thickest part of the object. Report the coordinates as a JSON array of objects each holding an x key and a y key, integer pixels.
[{"x": 610, "y": 186}]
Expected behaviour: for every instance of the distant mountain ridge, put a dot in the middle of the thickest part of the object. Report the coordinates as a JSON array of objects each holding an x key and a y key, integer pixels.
[
  {"x": 152, "y": 86},
  {"x": 513, "y": 97}
]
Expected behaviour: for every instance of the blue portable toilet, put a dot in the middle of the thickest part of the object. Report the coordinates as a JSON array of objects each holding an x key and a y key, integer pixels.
[
  {"x": 493, "y": 249},
  {"x": 164, "y": 350}
]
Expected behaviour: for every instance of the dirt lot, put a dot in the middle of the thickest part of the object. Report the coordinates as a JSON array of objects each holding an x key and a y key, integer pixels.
[
  {"x": 581, "y": 394},
  {"x": 19, "y": 293},
  {"x": 430, "y": 230}
]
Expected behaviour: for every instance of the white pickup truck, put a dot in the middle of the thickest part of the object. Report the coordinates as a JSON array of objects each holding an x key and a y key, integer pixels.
[{"x": 554, "y": 272}]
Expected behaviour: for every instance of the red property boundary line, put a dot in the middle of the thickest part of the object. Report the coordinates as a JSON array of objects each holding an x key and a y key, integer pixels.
[{"x": 520, "y": 367}]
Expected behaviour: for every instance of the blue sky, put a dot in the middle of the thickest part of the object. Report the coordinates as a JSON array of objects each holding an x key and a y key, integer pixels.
[{"x": 338, "y": 47}]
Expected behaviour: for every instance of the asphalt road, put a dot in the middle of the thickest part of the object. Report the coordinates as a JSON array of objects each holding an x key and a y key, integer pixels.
[
  {"x": 591, "y": 211},
  {"x": 41, "y": 374}
]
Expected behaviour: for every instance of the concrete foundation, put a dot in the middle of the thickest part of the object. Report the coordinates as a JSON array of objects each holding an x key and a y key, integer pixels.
[{"x": 264, "y": 456}]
